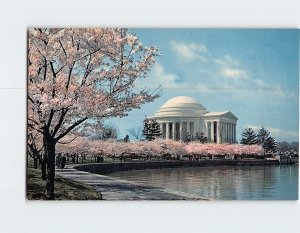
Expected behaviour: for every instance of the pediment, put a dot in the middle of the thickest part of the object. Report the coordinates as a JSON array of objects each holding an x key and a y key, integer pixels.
[{"x": 230, "y": 115}]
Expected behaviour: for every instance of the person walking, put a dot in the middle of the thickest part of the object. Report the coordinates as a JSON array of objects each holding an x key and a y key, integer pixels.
[{"x": 63, "y": 161}]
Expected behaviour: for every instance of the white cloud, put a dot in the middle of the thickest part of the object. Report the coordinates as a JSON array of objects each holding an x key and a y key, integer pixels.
[
  {"x": 225, "y": 72},
  {"x": 227, "y": 61},
  {"x": 259, "y": 82},
  {"x": 217, "y": 75},
  {"x": 234, "y": 73},
  {"x": 265, "y": 87},
  {"x": 189, "y": 51},
  {"x": 229, "y": 68},
  {"x": 283, "y": 133},
  {"x": 231, "y": 74},
  {"x": 160, "y": 77}
]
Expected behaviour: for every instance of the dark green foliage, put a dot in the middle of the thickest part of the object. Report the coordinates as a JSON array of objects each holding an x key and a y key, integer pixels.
[
  {"x": 266, "y": 141},
  {"x": 126, "y": 139},
  {"x": 200, "y": 137},
  {"x": 249, "y": 137},
  {"x": 151, "y": 129},
  {"x": 262, "y": 136},
  {"x": 270, "y": 145}
]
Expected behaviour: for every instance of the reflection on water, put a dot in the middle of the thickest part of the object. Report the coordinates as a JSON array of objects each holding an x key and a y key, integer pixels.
[{"x": 224, "y": 183}]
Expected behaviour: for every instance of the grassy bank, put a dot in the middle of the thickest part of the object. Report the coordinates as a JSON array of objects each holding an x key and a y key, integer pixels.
[{"x": 64, "y": 189}]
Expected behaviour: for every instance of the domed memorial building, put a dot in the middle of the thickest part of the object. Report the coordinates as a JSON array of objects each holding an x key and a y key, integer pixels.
[{"x": 182, "y": 117}]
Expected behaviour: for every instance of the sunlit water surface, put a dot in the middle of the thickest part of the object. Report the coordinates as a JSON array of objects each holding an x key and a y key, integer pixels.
[{"x": 223, "y": 183}]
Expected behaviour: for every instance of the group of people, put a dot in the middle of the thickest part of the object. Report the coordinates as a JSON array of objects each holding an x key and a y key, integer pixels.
[{"x": 61, "y": 161}]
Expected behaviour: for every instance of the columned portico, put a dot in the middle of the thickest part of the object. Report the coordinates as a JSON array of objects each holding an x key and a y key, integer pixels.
[
  {"x": 215, "y": 131},
  {"x": 183, "y": 118},
  {"x": 176, "y": 130}
]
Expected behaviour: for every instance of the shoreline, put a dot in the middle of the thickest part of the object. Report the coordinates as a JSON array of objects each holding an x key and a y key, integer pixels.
[
  {"x": 113, "y": 189},
  {"x": 106, "y": 168}
]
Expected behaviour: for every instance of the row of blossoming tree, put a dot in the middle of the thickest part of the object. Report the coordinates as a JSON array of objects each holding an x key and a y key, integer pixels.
[
  {"x": 77, "y": 77},
  {"x": 158, "y": 147}
]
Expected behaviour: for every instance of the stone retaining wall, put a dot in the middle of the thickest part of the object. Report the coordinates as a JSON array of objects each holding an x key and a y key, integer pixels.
[{"x": 105, "y": 168}]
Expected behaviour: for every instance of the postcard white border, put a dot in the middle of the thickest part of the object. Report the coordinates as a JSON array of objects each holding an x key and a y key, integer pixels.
[{"x": 19, "y": 215}]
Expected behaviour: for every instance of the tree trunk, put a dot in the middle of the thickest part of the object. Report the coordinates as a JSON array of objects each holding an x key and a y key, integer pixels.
[
  {"x": 43, "y": 162},
  {"x": 50, "y": 168},
  {"x": 44, "y": 170},
  {"x": 35, "y": 162}
]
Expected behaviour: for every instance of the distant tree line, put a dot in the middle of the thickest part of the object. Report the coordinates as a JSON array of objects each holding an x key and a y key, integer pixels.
[
  {"x": 152, "y": 131},
  {"x": 108, "y": 132},
  {"x": 288, "y": 147}
]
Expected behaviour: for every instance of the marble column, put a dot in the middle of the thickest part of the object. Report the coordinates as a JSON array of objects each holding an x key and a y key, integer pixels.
[
  {"x": 234, "y": 133},
  {"x": 161, "y": 129},
  {"x": 167, "y": 130},
  {"x": 180, "y": 131},
  {"x": 188, "y": 128},
  {"x": 232, "y": 127},
  {"x": 174, "y": 130},
  {"x": 231, "y": 134},
  {"x": 228, "y": 135},
  {"x": 226, "y": 132},
  {"x": 218, "y": 132},
  {"x": 212, "y": 135},
  {"x": 208, "y": 130},
  {"x": 192, "y": 129},
  {"x": 223, "y": 132}
]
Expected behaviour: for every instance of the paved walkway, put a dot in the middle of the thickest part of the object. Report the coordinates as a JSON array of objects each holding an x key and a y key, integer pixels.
[{"x": 116, "y": 189}]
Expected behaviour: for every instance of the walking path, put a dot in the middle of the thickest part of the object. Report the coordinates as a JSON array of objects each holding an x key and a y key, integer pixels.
[{"x": 116, "y": 189}]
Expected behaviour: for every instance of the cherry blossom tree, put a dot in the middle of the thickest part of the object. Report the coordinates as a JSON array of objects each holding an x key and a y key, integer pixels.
[
  {"x": 35, "y": 148},
  {"x": 157, "y": 148},
  {"x": 222, "y": 149},
  {"x": 76, "y": 76}
]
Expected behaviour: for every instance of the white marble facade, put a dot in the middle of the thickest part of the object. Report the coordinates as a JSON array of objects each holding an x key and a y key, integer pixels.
[{"x": 183, "y": 117}]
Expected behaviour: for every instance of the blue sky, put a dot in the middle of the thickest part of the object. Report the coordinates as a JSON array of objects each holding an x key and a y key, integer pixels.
[{"x": 253, "y": 73}]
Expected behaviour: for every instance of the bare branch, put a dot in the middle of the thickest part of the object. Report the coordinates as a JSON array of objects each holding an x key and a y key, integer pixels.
[
  {"x": 61, "y": 119},
  {"x": 70, "y": 128},
  {"x": 62, "y": 48}
]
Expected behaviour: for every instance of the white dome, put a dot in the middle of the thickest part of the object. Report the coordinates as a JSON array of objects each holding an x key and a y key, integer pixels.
[{"x": 181, "y": 106}]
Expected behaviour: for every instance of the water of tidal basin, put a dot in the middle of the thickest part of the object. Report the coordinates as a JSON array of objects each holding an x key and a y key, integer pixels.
[{"x": 223, "y": 183}]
